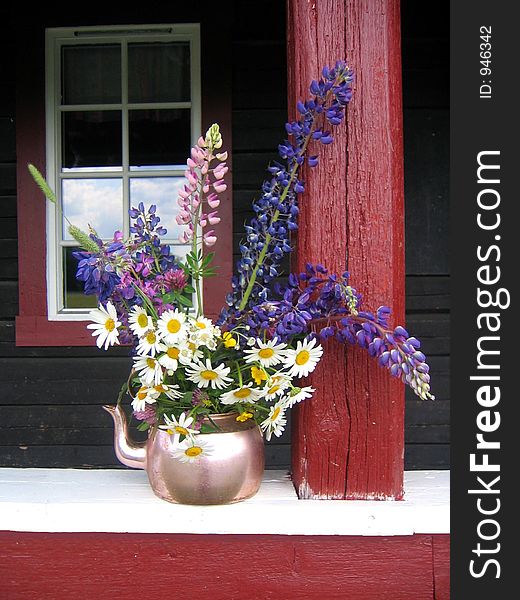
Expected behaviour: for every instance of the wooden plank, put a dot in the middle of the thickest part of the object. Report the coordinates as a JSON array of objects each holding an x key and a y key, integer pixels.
[
  {"x": 8, "y": 299},
  {"x": 59, "y": 457},
  {"x": 8, "y": 228},
  {"x": 427, "y": 293},
  {"x": 7, "y": 139},
  {"x": 261, "y": 129},
  {"x": 7, "y": 179},
  {"x": 95, "y": 455},
  {"x": 427, "y": 434},
  {"x": 8, "y": 268},
  {"x": 55, "y": 369},
  {"x": 360, "y": 456},
  {"x": 419, "y": 412},
  {"x": 441, "y": 566},
  {"x": 427, "y": 190},
  {"x": 427, "y": 456},
  {"x": 35, "y": 565},
  {"x": 8, "y": 205}
]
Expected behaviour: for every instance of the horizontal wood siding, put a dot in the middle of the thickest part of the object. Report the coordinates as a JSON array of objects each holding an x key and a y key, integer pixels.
[
  {"x": 51, "y": 405},
  {"x": 33, "y": 566},
  {"x": 425, "y": 47}
]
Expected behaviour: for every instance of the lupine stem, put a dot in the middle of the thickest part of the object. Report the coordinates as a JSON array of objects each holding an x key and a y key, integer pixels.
[{"x": 268, "y": 236}]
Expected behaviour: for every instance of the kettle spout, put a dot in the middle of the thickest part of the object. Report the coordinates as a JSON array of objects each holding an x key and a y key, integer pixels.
[{"x": 130, "y": 453}]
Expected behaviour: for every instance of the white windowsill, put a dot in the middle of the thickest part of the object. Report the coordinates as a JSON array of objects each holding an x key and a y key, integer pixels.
[{"x": 121, "y": 501}]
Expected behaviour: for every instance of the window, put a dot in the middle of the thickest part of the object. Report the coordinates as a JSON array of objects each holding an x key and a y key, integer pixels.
[
  {"x": 52, "y": 117},
  {"x": 123, "y": 107}
]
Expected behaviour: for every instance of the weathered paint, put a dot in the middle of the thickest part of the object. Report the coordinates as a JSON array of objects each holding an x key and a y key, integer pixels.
[
  {"x": 41, "y": 566},
  {"x": 348, "y": 442}
]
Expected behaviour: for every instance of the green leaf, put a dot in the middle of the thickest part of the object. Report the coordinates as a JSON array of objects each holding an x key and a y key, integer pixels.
[
  {"x": 207, "y": 428},
  {"x": 207, "y": 259},
  {"x": 143, "y": 426},
  {"x": 169, "y": 298},
  {"x": 184, "y": 301}
]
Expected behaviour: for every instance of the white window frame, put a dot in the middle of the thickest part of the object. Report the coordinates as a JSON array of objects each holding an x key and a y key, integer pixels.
[{"x": 55, "y": 39}]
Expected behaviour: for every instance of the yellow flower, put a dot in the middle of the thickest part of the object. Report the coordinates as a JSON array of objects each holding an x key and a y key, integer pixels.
[
  {"x": 258, "y": 375},
  {"x": 229, "y": 340},
  {"x": 244, "y": 416}
]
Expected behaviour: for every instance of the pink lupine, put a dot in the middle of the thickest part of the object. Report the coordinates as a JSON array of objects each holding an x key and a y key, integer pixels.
[{"x": 203, "y": 184}]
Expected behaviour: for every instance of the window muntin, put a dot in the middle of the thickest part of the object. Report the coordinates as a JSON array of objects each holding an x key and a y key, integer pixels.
[{"x": 111, "y": 146}]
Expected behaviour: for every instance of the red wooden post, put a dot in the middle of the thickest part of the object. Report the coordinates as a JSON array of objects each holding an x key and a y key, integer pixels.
[{"x": 348, "y": 440}]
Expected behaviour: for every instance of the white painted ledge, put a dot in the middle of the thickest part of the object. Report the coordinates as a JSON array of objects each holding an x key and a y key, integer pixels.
[{"x": 121, "y": 501}]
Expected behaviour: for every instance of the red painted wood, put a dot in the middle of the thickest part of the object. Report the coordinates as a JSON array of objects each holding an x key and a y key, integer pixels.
[
  {"x": 30, "y": 148},
  {"x": 348, "y": 442},
  {"x": 32, "y": 326},
  {"x": 441, "y": 566},
  {"x": 41, "y": 566}
]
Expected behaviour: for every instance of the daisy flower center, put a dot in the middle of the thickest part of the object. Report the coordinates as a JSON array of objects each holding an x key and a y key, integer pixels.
[
  {"x": 141, "y": 394},
  {"x": 302, "y": 357},
  {"x": 275, "y": 413},
  {"x": 209, "y": 375},
  {"x": 150, "y": 337},
  {"x": 182, "y": 431},
  {"x": 110, "y": 325},
  {"x": 150, "y": 363},
  {"x": 142, "y": 320},
  {"x": 266, "y": 353},
  {"x": 173, "y": 353},
  {"x": 193, "y": 451},
  {"x": 159, "y": 388},
  {"x": 243, "y": 393},
  {"x": 273, "y": 390},
  {"x": 200, "y": 325},
  {"x": 173, "y": 325}
]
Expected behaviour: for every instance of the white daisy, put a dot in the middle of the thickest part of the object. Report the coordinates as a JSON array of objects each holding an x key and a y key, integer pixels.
[
  {"x": 171, "y": 391},
  {"x": 139, "y": 321},
  {"x": 150, "y": 343},
  {"x": 268, "y": 354},
  {"x": 105, "y": 325},
  {"x": 170, "y": 360},
  {"x": 275, "y": 386},
  {"x": 192, "y": 449},
  {"x": 245, "y": 393},
  {"x": 204, "y": 375},
  {"x": 172, "y": 326},
  {"x": 148, "y": 369},
  {"x": 302, "y": 360},
  {"x": 276, "y": 421},
  {"x": 204, "y": 333},
  {"x": 145, "y": 395},
  {"x": 189, "y": 353},
  {"x": 178, "y": 428},
  {"x": 298, "y": 394}
]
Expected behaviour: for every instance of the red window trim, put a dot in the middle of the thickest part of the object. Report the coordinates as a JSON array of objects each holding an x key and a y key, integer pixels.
[{"x": 33, "y": 328}]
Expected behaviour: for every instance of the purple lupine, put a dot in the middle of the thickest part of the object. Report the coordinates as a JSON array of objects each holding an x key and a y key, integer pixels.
[{"x": 267, "y": 234}]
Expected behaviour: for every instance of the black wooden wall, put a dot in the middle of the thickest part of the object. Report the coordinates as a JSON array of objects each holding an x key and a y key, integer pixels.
[{"x": 50, "y": 405}]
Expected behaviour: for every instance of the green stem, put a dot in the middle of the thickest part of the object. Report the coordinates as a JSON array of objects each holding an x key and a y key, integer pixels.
[{"x": 268, "y": 236}]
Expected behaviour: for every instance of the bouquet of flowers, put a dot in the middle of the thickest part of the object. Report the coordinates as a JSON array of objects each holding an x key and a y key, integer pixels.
[{"x": 186, "y": 367}]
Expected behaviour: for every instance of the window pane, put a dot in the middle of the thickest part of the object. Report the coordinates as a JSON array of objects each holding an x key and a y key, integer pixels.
[
  {"x": 159, "y": 72},
  {"x": 73, "y": 294},
  {"x": 161, "y": 191},
  {"x": 91, "y": 139},
  {"x": 98, "y": 202},
  {"x": 159, "y": 138},
  {"x": 91, "y": 74}
]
